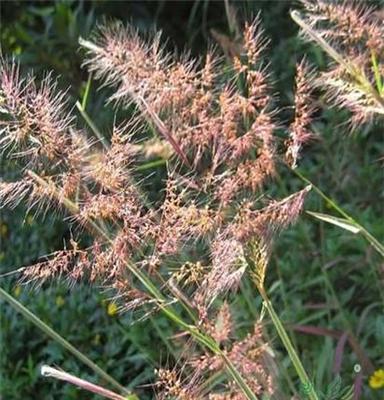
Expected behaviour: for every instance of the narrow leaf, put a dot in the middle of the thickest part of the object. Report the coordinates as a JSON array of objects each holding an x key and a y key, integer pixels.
[
  {"x": 48, "y": 371},
  {"x": 59, "y": 339},
  {"x": 340, "y": 222}
]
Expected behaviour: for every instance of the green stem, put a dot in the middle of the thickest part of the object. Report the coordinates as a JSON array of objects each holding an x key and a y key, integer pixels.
[
  {"x": 86, "y": 93},
  {"x": 306, "y": 383},
  {"x": 151, "y": 164},
  {"x": 94, "y": 128},
  {"x": 59, "y": 339}
]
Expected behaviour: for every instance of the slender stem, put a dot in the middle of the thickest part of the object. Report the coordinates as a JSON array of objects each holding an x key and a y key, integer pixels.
[
  {"x": 237, "y": 377},
  {"x": 151, "y": 164},
  {"x": 377, "y": 73},
  {"x": 86, "y": 93},
  {"x": 307, "y": 386},
  {"x": 94, "y": 128},
  {"x": 59, "y": 339}
]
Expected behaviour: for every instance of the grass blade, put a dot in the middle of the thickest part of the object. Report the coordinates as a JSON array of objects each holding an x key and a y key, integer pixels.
[
  {"x": 48, "y": 371},
  {"x": 340, "y": 222},
  {"x": 368, "y": 236},
  {"x": 27, "y": 314}
]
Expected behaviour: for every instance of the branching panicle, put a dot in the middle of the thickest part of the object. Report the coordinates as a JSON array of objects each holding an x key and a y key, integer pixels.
[
  {"x": 351, "y": 33},
  {"x": 33, "y": 121},
  {"x": 218, "y": 139}
]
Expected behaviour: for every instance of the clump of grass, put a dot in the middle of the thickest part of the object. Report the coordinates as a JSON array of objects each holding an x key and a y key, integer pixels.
[{"x": 216, "y": 129}]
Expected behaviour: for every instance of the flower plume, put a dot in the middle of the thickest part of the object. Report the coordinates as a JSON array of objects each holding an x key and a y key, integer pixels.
[
  {"x": 191, "y": 243},
  {"x": 351, "y": 33}
]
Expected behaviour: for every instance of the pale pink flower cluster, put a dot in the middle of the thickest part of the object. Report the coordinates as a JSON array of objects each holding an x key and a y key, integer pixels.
[{"x": 218, "y": 137}]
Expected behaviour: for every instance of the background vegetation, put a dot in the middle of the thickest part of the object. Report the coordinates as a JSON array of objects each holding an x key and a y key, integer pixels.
[{"x": 323, "y": 280}]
